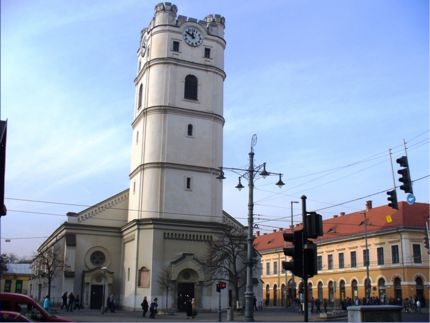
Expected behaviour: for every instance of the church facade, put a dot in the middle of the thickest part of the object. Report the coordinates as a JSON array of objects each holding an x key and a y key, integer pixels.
[{"x": 151, "y": 239}]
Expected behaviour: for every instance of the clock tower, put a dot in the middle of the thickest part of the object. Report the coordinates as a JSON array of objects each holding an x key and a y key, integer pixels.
[{"x": 175, "y": 200}]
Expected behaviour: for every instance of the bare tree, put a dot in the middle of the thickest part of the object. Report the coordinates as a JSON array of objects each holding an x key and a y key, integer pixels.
[
  {"x": 165, "y": 281},
  {"x": 46, "y": 265},
  {"x": 226, "y": 259}
]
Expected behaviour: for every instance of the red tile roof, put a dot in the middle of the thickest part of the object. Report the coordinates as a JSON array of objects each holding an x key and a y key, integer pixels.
[{"x": 342, "y": 226}]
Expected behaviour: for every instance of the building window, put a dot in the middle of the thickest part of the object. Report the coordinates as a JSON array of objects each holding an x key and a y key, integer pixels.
[
  {"x": 190, "y": 92},
  {"x": 207, "y": 52},
  {"x": 190, "y": 130},
  {"x": 330, "y": 262},
  {"x": 319, "y": 262},
  {"x": 137, "y": 137},
  {"x": 128, "y": 274},
  {"x": 97, "y": 258},
  {"x": 134, "y": 187},
  {"x": 320, "y": 291},
  {"x": 353, "y": 259},
  {"x": 416, "y": 250},
  {"x": 144, "y": 277},
  {"x": 354, "y": 289},
  {"x": 188, "y": 183},
  {"x": 267, "y": 268},
  {"x": 275, "y": 268},
  {"x": 18, "y": 286},
  {"x": 139, "y": 99},
  {"x": 395, "y": 254},
  {"x": 341, "y": 260},
  {"x": 175, "y": 46},
  {"x": 365, "y": 257},
  {"x": 380, "y": 252},
  {"x": 7, "y": 285}
]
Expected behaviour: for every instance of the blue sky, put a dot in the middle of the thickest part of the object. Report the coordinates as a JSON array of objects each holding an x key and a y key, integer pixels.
[{"x": 328, "y": 87}]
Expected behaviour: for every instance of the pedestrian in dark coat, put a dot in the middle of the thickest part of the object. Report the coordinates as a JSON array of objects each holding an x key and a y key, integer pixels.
[
  {"x": 189, "y": 308},
  {"x": 145, "y": 306},
  {"x": 64, "y": 297},
  {"x": 71, "y": 302},
  {"x": 153, "y": 308}
]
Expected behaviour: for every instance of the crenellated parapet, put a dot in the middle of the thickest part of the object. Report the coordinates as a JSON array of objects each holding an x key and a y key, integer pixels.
[{"x": 166, "y": 14}]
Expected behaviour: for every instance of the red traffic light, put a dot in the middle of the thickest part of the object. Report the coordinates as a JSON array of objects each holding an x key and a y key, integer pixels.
[{"x": 220, "y": 285}]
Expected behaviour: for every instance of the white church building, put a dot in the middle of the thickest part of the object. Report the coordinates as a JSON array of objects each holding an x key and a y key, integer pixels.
[{"x": 158, "y": 229}]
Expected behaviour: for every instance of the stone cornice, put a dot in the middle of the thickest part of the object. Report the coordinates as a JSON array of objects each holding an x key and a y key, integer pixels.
[
  {"x": 164, "y": 165},
  {"x": 165, "y": 109},
  {"x": 178, "y": 62}
]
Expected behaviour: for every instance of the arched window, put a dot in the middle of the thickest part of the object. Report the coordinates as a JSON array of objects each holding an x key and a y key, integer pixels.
[
  {"x": 419, "y": 288},
  {"x": 381, "y": 290},
  {"x": 283, "y": 295},
  {"x": 191, "y": 83},
  {"x": 190, "y": 130},
  {"x": 342, "y": 293},
  {"x": 398, "y": 289},
  {"x": 354, "y": 289},
  {"x": 330, "y": 292},
  {"x": 139, "y": 99},
  {"x": 320, "y": 291},
  {"x": 267, "y": 294},
  {"x": 310, "y": 289},
  {"x": 275, "y": 295}
]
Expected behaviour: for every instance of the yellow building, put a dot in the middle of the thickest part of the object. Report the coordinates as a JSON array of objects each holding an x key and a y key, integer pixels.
[
  {"x": 16, "y": 278},
  {"x": 398, "y": 265}
]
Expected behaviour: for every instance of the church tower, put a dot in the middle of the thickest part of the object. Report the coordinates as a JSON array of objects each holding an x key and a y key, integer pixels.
[{"x": 175, "y": 200}]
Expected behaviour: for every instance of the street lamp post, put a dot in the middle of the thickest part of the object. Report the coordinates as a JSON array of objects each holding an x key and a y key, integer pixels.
[
  {"x": 366, "y": 258},
  {"x": 250, "y": 175}
]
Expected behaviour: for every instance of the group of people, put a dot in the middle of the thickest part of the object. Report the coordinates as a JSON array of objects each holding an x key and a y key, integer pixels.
[
  {"x": 152, "y": 307},
  {"x": 70, "y": 302}
]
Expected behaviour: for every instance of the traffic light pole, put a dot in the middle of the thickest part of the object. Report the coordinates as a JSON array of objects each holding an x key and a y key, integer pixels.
[{"x": 305, "y": 275}]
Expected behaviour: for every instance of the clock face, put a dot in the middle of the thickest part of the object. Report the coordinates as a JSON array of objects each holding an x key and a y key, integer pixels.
[{"x": 192, "y": 36}]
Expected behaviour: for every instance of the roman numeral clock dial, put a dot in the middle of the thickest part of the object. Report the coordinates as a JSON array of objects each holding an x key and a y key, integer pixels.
[{"x": 192, "y": 36}]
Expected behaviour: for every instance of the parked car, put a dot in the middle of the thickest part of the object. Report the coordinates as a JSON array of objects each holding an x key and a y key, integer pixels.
[
  {"x": 9, "y": 316},
  {"x": 27, "y": 307}
]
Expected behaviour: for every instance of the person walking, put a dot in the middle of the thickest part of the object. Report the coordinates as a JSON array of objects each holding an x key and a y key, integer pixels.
[
  {"x": 145, "y": 306},
  {"x": 71, "y": 302},
  {"x": 46, "y": 303},
  {"x": 153, "y": 308},
  {"x": 189, "y": 308},
  {"x": 64, "y": 297}
]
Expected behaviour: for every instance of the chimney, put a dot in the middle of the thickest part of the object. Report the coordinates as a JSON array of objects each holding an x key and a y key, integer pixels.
[
  {"x": 342, "y": 213},
  {"x": 335, "y": 216},
  {"x": 274, "y": 230},
  {"x": 368, "y": 205},
  {"x": 281, "y": 229},
  {"x": 258, "y": 233}
]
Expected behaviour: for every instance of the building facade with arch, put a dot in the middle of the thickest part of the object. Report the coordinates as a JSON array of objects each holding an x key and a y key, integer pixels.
[{"x": 398, "y": 262}]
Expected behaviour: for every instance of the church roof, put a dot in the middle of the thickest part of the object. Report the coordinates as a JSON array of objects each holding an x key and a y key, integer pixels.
[{"x": 339, "y": 227}]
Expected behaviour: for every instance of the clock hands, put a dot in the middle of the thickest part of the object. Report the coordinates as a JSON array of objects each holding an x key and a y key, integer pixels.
[{"x": 191, "y": 34}]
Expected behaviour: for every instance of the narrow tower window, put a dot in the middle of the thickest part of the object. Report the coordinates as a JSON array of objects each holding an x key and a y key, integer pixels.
[
  {"x": 188, "y": 183},
  {"x": 190, "y": 87},
  {"x": 175, "y": 46},
  {"x": 139, "y": 100},
  {"x": 190, "y": 130},
  {"x": 207, "y": 52}
]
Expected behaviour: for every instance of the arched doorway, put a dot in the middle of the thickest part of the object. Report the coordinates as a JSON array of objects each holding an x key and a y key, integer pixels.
[
  {"x": 398, "y": 289},
  {"x": 320, "y": 291},
  {"x": 275, "y": 295},
  {"x": 187, "y": 279},
  {"x": 310, "y": 294},
  {"x": 267, "y": 295},
  {"x": 367, "y": 288},
  {"x": 354, "y": 290},
  {"x": 342, "y": 292},
  {"x": 283, "y": 295},
  {"x": 419, "y": 289},
  {"x": 381, "y": 290}
]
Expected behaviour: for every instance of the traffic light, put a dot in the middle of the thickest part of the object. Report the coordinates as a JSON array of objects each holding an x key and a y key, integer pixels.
[
  {"x": 220, "y": 285},
  {"x": 405, "y": 177},
  {"x": 392, "y": 199},
  {"x": 296, "y": 252},
  {"x": 314, "y": 227},
  {"x": 310, "y": 253}
]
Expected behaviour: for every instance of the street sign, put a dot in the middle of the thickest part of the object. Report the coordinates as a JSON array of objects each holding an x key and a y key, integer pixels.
[{"x": 410, "y": 199}]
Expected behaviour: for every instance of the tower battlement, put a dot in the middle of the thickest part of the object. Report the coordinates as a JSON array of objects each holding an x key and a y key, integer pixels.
[{"x": 166, "y": 14}]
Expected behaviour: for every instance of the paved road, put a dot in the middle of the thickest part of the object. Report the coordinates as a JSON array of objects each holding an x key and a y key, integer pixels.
[{"x": 270, "y": 314}]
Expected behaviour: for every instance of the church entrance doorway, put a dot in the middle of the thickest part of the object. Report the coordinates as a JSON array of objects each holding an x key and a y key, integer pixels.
[
  {"x": 96, "y": 297},
  {"x": 185, "y": 294}
]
